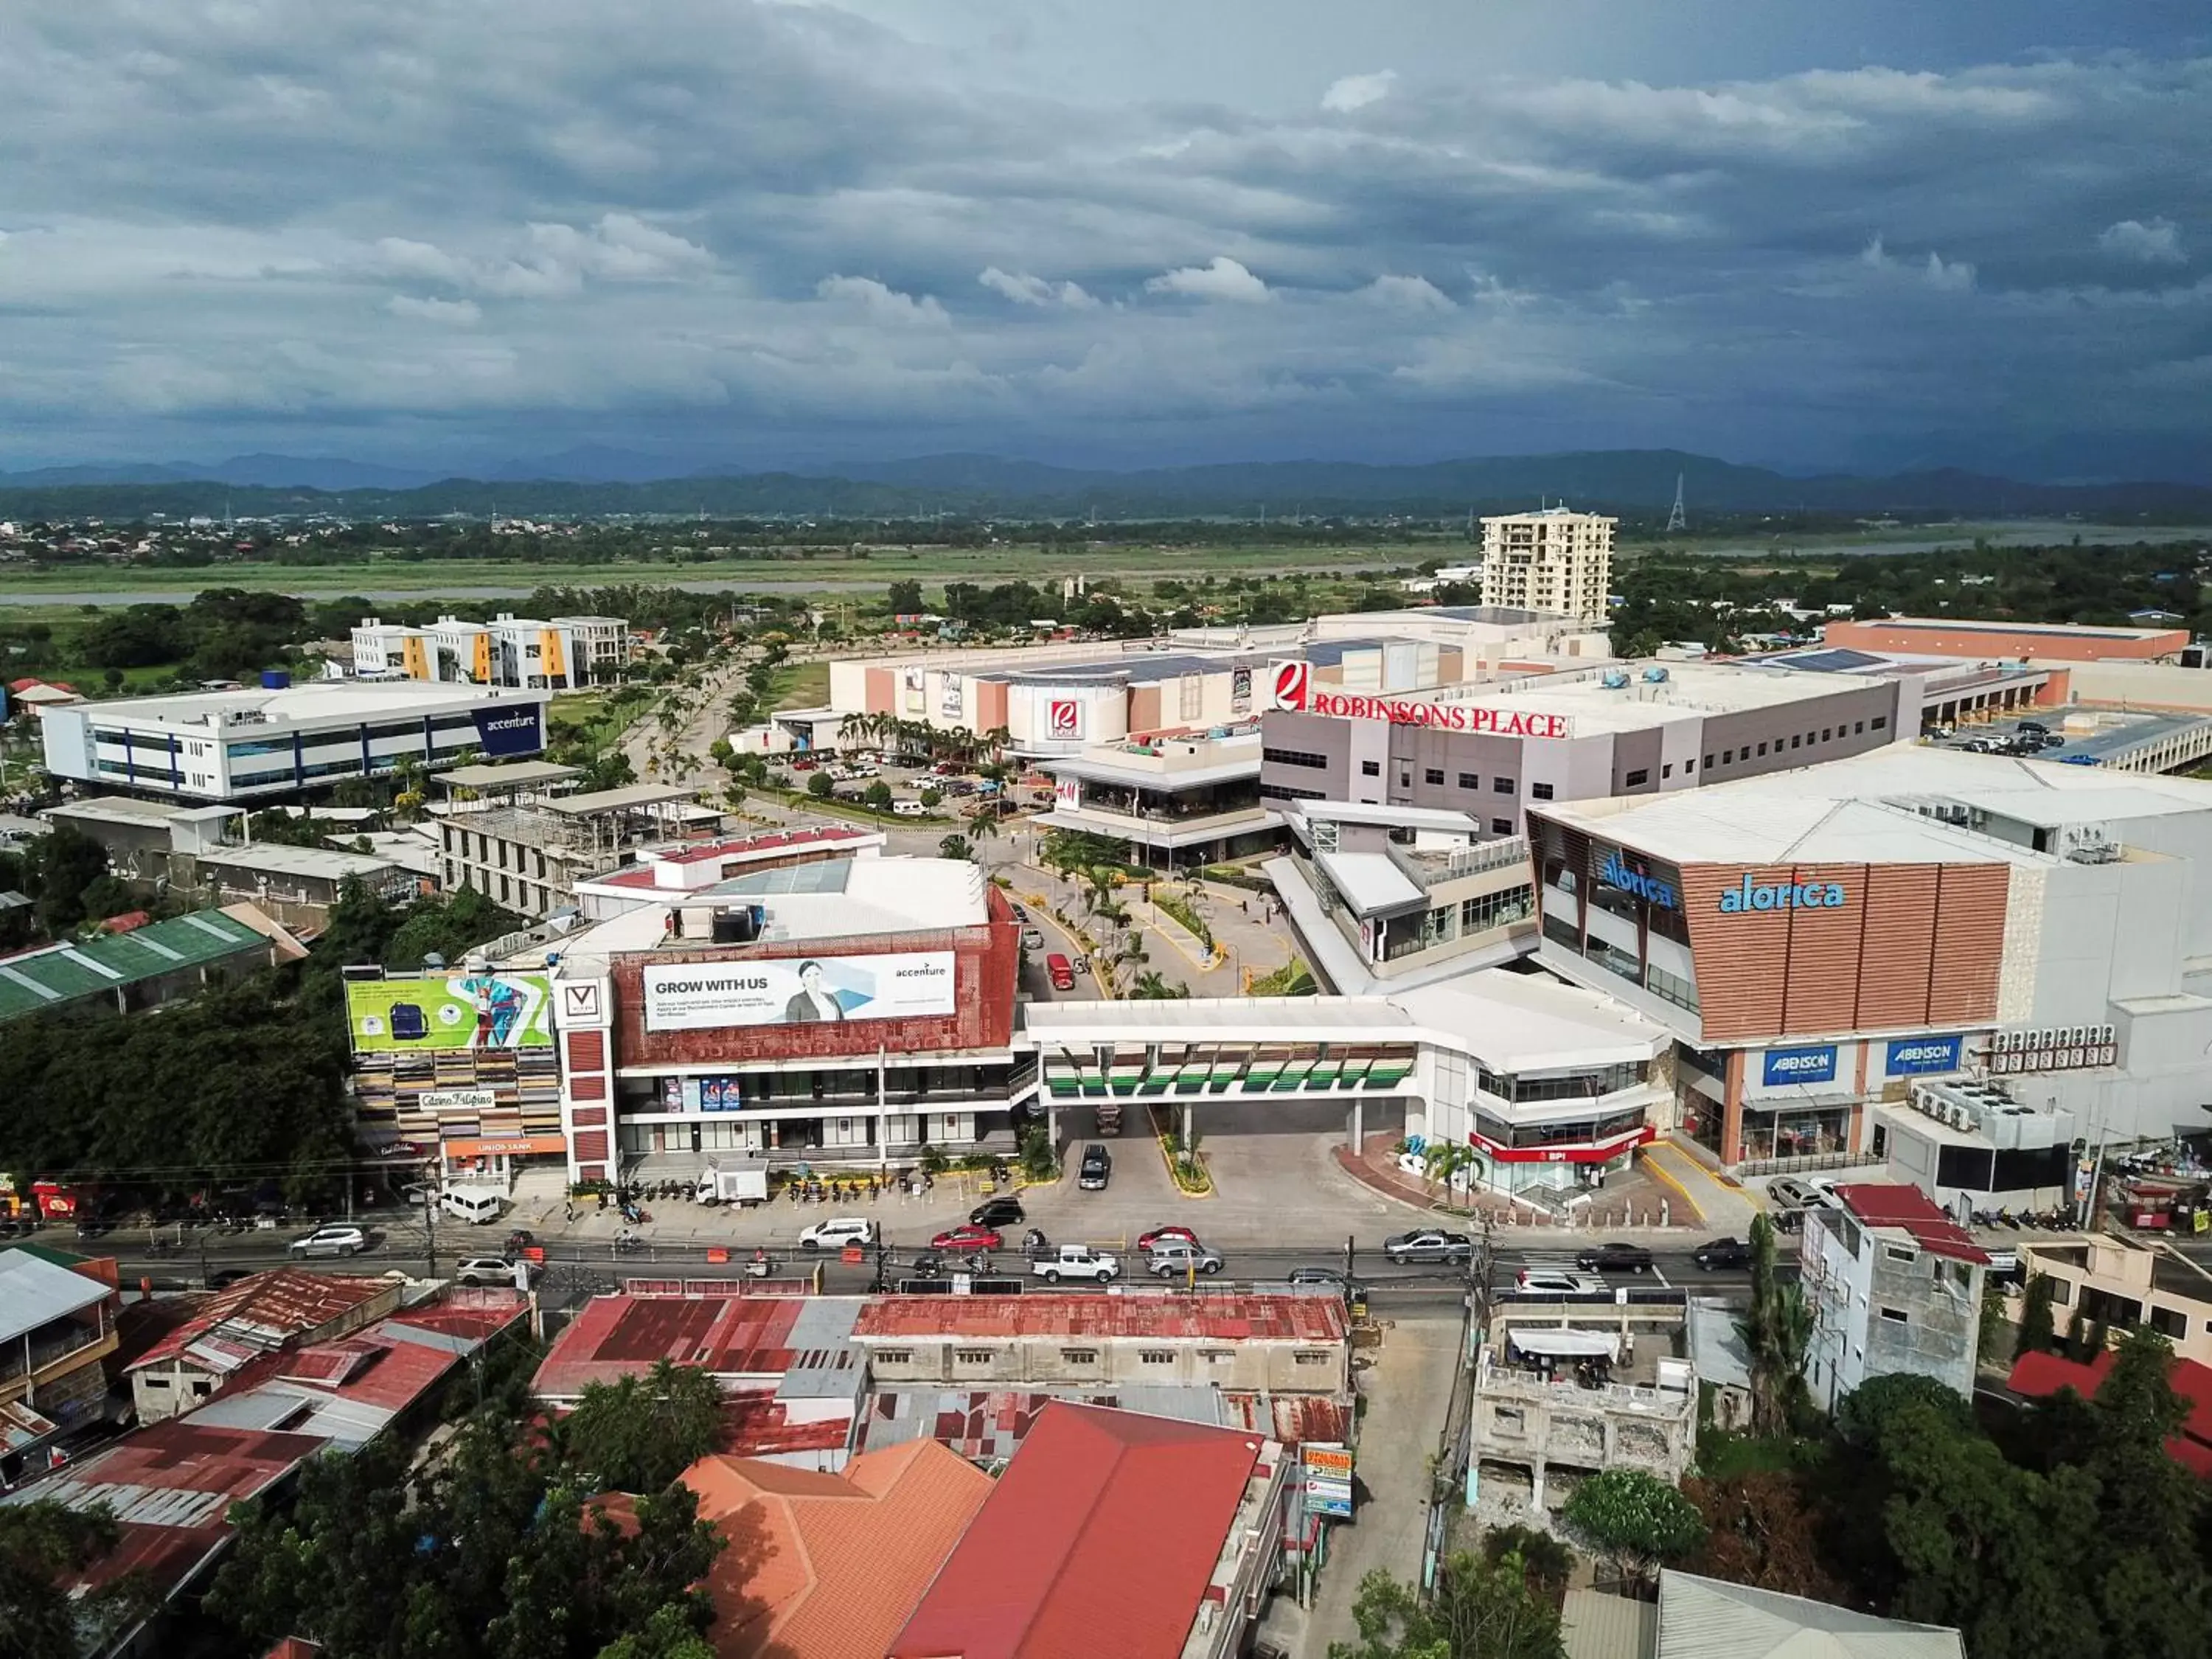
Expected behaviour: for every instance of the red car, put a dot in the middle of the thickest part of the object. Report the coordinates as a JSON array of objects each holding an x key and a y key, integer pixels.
[
  {"x": 803, "y": 765},
  {"x": 1163, "y": 1234},
  {"x": 968, "y": 1237}
]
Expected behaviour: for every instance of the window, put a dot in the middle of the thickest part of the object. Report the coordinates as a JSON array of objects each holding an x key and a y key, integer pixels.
[
  {"x": 1825, "y": 734},
  {"x": 1540, "y": 791},
  {"x": 1762, "y": 749},
  {"x": 1640, "y": 775},
  {"x": 1709, "y": 762},
  {"x": 1155, "y": 1357},
  {"x": 1217, "y": 1356},
  {"x": 1667, "y": 770},
  {"x": 2167, "y": 1321},
  {"x": 1432, "y": 775},
  {"x": 894, "y": 1356},
  {"x": 1689, "y": 765},
  {"x": 1284, "y": 792},
  {"x": 1295, "y": 757},
  {"x": 1470, "y": 780},
  {"x": 1079, "y": 1356},
  {"x": 1370, "y": 768},
  {"x": 1895, "y": 1315},
  {"x": 971, "y": 1355},
  {"x": 1860, "y": 727},
  {"x": 1501, "y": 826},
  {"x": 1880, "y": 721},
  {"x": 1502, "y": 786},
  {"x": 1794, "y": 740},
  {"x": 1405, "y": 780},
  {"x": 1311, "y": 1356},
  {"x": 1898, "y": 1253}
]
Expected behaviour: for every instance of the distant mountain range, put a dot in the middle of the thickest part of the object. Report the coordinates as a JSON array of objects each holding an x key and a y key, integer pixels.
[{"x": 595, "y": 480}]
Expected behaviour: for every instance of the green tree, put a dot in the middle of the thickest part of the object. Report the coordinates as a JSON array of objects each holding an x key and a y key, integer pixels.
[
  {"x": 1990, "y": 1340},
  {"x": 1481, "y": 1610},
  {"x": 2039, "y": 1322},
  {"x": 639, "y": 1434},
  {"x": 1151, "y": 985},
  {"x": 63, "y": 864},
  {"x": 819, "y": 786},
  {"x": 1635, "y": 1518},
  {"x": 877, "y": 795},
  {"x": 43, "y": 1546},
  {"x": 905, "y": 598},
  {"x": 1778, "y": 1333},
  {"x": 955, "y": 848},
  {"x": 1039, "y": 1162}
]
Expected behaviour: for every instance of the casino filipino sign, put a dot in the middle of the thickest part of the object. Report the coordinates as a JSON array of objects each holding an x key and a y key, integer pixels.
[{"x": 1291, "y": 687}]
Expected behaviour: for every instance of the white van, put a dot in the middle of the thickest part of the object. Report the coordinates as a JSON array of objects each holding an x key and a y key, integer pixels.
[
  {"x": 909, "y": 809},
  {"x": 473, "y": 1204}
]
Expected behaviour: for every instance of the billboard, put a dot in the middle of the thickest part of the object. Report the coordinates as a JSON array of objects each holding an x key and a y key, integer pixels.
[
  {"x": 491, "y": 1010},
  {"x": 911, "y": 687},
  {"x": 1064, "y": 719},
  {"x": 507, "y": 729},
  {"x": 700, "y": 996},
  {"x": 1799, "y": 1065},
  {"x": 1240, "y": 690},
  {"x": 1919, "y": 1057},
  {"x": 950, "y": 702},
  {"x": 1328, "y": 1480}
]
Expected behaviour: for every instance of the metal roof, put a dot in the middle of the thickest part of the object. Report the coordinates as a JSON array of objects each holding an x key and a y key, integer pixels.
[
  {"x": 515, "y": 775},
  {"x": 262, "y": 1315},
  {"x": 1206, "y": 1317},
  {"x": 1707, "y": 1619},
  {"x": 629, "y": 796},
  {"x": 55, "y": 974},
  {"x": 34, "y": 1292}
]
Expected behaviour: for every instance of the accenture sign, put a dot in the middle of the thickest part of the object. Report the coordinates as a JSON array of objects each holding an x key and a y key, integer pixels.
[{"x": 1291, "y": 687}]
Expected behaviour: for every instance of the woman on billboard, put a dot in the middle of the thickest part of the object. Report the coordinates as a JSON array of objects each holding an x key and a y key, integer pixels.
[{"x": 813, "y": 1002}]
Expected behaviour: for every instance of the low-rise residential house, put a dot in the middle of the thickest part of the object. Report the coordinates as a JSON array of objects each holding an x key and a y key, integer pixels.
[
  {"x": 1279, "y": 1344},
  {"x": 58, "y": 1315},
  {"x": 2037, "y": 1376},
  {"x": 1895, "y": 1285},
  {"x": 1112, "y": 1531},
  {"x": 148, "y": 967},
  {"x": 270, "y": 1313},
  {"x": 817, "y": 1565},
  {"x": 2119, "y": 1283}
]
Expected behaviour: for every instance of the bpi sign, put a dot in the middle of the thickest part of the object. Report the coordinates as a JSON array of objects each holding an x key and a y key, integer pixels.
[{"x": 1290, "y": 686}]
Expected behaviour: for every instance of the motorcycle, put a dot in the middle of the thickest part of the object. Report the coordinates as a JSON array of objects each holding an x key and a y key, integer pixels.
[
  {"x": 1034, "y": 1241},
  {"x": 627, "y": 1240},
  {"x": 761, "y": 1266}
]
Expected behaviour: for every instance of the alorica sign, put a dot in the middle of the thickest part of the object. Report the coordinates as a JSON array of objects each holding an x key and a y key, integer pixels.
[{"x": 1444, "y": 716}]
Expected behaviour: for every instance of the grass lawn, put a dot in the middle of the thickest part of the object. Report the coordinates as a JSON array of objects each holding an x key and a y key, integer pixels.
[
  {"x": 1724, "y": 1457},
  {"x": 800, "y": 685}
]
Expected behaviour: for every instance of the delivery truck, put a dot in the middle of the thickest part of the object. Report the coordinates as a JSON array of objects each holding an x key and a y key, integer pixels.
[{"x": 733, "y": 1183}]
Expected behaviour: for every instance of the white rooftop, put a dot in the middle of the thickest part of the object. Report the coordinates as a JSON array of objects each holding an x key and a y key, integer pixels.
[
  {"x": 1865, "y": 809},
  {"x": 1531, "y": 1023},
  {"x": 309, "y": 701},
  {"x": 34, "y": 1292},
  {"x": 274, "y": 858},
  {"x": 1393, "y": 818},
  {"x": 1371, "y": 883}
]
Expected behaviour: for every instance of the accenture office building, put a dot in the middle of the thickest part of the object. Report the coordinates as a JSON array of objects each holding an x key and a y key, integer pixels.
[{"x": 1962, "y": 961}]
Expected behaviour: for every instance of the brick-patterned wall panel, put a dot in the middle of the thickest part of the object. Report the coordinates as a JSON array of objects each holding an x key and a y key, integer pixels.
[
  {"x": 1900, "y": 944},
  {"x": 1970, "y": 943},
  {"x": 592, "y": 1146},
  {"x": 1822, "y": 988},
  {"x": 587, "y": 1051},
  {"x": 1742, "y": 961},
  {"x": 586, "y": 1117},
  {"x": 587, "y": 1086}
]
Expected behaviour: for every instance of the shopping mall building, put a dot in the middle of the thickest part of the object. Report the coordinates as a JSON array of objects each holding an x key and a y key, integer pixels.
[{"x": 1823, "y": 943}]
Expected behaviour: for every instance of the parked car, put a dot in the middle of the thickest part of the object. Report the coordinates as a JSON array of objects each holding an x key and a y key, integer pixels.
[
  {"x": 330, "y": 1241},
  {"x": 802, "y": 764},
  {"x": 1147, "y": 1241},
  {"x": 1789, "y": 1193},
  {"x": 837, "y": 1234},
  {"x": 968, "y": 1237},
  {"x": 1173, "y": 1258},
  {"x": 1719, "y": 1252},
  {"x": 1098, "y": 1169},
  {"x": 485, "y": 1270},
  {"x": 1076, "y": 1262},
  {"x": 998, "y": 1212},
  {"x": 1535, "y": 1281},
  {"x": 1614, "y": 1258},
  {"x": 1428, "y": 1244},
  {"x": 1033, "y": 938}
]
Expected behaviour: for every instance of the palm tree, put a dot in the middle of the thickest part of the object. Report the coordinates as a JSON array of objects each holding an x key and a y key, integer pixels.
[
  {"x": 854, "y": 728},
  {"x": 1149, "y": 986},
  {"x": 1778, "y": 1333}
]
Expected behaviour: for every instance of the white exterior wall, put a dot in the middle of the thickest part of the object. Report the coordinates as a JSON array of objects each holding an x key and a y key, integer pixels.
[{"x": 1838, "y": 1284}]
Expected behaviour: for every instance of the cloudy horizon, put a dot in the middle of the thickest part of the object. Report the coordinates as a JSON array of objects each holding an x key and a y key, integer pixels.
[{"x": 721, "y": 232}]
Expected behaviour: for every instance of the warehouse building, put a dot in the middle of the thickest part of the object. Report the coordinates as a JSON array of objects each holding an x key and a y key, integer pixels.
[{"x": 276, "y": 742}]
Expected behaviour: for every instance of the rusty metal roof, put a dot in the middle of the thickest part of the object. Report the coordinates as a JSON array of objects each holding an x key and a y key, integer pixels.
[
  {"x": 261, "y": 1314},
  {"x": 1202, "y": 1317}
]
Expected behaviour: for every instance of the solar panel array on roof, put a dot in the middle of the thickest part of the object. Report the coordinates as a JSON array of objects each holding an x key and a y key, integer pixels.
[{"x": 1840, "y": 660}]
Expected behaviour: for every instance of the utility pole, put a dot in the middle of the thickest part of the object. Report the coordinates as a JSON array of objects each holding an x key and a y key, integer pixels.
[{"x": 429, "y": 1232}]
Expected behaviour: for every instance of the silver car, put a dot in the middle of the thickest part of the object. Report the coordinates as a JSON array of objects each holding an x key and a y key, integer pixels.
[
  {"x": 330, "y": 1241},
  {"x": 1428, "y": 1244},
  {"x": 1174, "y": 1257}
]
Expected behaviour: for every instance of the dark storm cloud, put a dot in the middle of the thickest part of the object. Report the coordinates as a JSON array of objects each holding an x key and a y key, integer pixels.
[{"x": 724, "y": 230}]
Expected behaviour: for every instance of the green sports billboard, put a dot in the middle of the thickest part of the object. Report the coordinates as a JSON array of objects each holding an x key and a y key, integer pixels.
[{"x": 488, "y": 1010}]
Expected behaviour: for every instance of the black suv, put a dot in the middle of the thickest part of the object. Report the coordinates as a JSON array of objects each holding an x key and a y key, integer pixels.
[
  {"x": 1614, "y": 1259},
  {"x": 997, "y": 1212},
  {"x": 1722, "y": 1253},
  {"x": 1098, "y": 1169}
]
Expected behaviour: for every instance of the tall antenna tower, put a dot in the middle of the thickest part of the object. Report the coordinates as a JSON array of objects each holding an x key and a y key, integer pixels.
[{"x": 1677, "y": 519}]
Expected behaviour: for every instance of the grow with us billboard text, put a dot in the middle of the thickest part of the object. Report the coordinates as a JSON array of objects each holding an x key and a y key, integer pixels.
[{"x": 488, "y": 1010}]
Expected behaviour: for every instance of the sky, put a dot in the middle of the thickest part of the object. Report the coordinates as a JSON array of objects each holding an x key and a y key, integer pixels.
[{"x": 1110, "y": 233}]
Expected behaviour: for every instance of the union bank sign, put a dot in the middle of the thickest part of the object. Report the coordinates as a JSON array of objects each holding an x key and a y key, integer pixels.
[{"x": 1292, "y": 688}]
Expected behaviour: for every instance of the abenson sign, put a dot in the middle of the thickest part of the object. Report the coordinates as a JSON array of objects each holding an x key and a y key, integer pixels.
[
  {"x": 1292, "y": 688},
  {"x": 704, "y": 996}
]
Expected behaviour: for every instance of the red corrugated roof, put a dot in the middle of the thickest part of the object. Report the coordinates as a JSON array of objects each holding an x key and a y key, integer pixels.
[
  {"x": 1101, "y": 1537},
  {"x": 2037, "y": 1375},
  {"x": 1205, "y": 1317},
  {"x": 464, "y": 1318},
  {"x": 759, "y": 1425},
  {"x": 287, "y": 1303},
  {"x": 618, "y": 1336},
  {"x": 1893, "y": 1204}
]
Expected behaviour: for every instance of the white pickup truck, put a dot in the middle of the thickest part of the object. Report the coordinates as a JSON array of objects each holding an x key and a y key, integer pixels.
[{"x": 1075, "y": 1262}]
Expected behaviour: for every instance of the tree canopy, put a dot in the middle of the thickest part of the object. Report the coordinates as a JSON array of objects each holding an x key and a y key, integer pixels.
[
  {"x": 1482, "y": 1610},
  {"x": 640, "y": 1433}
]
